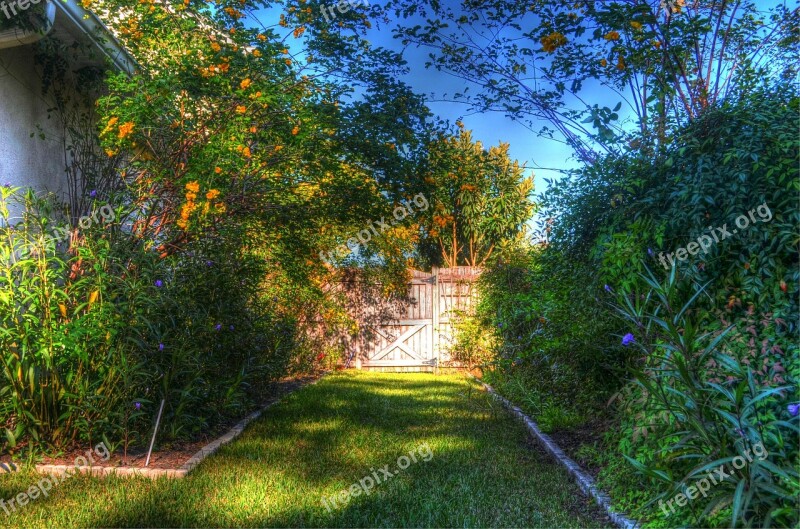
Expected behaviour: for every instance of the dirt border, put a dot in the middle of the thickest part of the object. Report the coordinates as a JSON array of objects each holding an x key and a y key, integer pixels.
[
  {"x": 585, "y": 482},
  {"x": 184, "y": 469}
]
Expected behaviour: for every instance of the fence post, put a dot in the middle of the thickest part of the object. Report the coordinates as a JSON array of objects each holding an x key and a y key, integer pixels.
[{"x": 435, "y": 343}]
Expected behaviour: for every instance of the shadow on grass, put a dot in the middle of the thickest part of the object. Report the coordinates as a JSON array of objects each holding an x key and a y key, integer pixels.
[{"x": 327, "y": 437}]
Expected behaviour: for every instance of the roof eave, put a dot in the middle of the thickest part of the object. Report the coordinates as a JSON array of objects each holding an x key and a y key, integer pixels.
[{"x": 99, "y": 34}]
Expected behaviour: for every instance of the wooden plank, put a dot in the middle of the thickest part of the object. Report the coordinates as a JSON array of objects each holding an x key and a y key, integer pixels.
[
  {"x": 398, "y": 343},
  {"x": 377, "y": 363},
  {"x": 435, "y": 314}
]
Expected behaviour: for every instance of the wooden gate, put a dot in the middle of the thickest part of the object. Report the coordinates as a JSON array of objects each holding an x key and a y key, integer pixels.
[{"x": 419, "y": 336}]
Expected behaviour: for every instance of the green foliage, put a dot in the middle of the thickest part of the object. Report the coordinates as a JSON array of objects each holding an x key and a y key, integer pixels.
[
  {"x": 706, "y": 408},
  {"x": 481, "y": 202},
  {"x": 94, "y": 322},
  {"x": 473, "y": 346},
  {"x": 667, "y": 62},
  {"x": 68, "y": 365},
  {"x": 682, "y": 403}
]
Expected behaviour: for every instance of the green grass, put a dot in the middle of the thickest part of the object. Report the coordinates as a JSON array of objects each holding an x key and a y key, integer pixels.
[{"x": 484, "y": 472}]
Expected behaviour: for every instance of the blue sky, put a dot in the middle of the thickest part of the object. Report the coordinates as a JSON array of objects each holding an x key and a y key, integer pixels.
[
  {"x": 491, "y": 128},
  {"x": 535, "y": 152}
]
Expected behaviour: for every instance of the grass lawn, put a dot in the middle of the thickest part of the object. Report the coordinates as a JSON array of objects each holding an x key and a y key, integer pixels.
[{"x": 475, "y": 467}]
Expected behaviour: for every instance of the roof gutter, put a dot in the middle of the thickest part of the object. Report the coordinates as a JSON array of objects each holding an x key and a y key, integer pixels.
[
  {"x": 15, "y": 36},
  {"x": 100, "y": 35}
]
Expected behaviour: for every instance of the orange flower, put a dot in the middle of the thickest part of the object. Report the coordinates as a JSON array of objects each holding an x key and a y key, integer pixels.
[
  {"x": 278, "y": 148},
  {"x": 245, "y": 84},
  {"x": 612, "y": 35},
  {"x": 241, "y": 109},
  {"x": 553, "y": 41},
  {"x": 256, "y": 53},
  {"x": 261, "y": 37},
  {"x": 299, "y": 31},
  {"x": 246, "y": 152},
  {"x": 234, "y": 13},
  {"x": 288, "y": 62},
  {"x": 215, "y": 46},
  {"x": 285, "y": 51},
  {"x": 218, "y": 170},
  {"x": 125, "y": 129},
  {"x": 636, "y": 25},
  {"x": 224, "y": 67},
  {"x": 603, "y": 63},
  {"x": 295, "y": 131},
  {"x": 211, "y": 195},
  {"x": 111, "y": 122},
  {"x": 621, "y": 63},
  {"x": 194, "y": 187}
]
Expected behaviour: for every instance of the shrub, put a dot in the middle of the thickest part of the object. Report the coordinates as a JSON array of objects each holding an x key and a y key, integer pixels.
[
  {"x": 98, "y": 327},
  {"x": 704, "y": 409}
]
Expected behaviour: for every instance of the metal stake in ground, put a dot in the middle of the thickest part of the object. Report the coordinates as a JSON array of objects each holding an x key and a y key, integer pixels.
[{"x": 155, "y": 430}]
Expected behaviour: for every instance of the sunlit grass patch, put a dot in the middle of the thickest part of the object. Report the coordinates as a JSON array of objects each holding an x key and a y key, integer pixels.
[{"x": 483, "y": 470}]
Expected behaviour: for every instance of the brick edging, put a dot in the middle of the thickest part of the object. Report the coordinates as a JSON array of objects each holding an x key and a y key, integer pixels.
[
  {"x": 188, "y": 466},
  {"x": 585, "y": 481}
]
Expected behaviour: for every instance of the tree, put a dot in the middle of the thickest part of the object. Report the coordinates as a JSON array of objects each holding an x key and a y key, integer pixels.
[
  {"x": 666, "y": 61},
  {"x": 481, "y": 201}
]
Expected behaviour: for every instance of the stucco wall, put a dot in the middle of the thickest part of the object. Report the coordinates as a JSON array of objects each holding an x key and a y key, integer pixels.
[{"x": 27, "y": 160}]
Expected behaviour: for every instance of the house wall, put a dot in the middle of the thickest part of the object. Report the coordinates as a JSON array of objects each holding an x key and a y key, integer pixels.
[{"x": 26, "y": 160}]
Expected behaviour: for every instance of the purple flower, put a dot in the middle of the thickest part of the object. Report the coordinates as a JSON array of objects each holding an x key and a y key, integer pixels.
[
  {"x": 218, "y": 326},
  {"x": 231, "y": 327},
  {"x": 794, "y": 409},
  {"x": 500, "y": 325},
  {"x": 161, "y": 347},
  {"x": 93, "y": 193},
  {"x": 138, "y": 405},
  {"x": 608, "y": 288},
  {"x": 159, "y": 283},
  {"x": 628, "y": 339},
  {"x": 650, "y": 252},
  {"x": 209, "y": 263}
]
